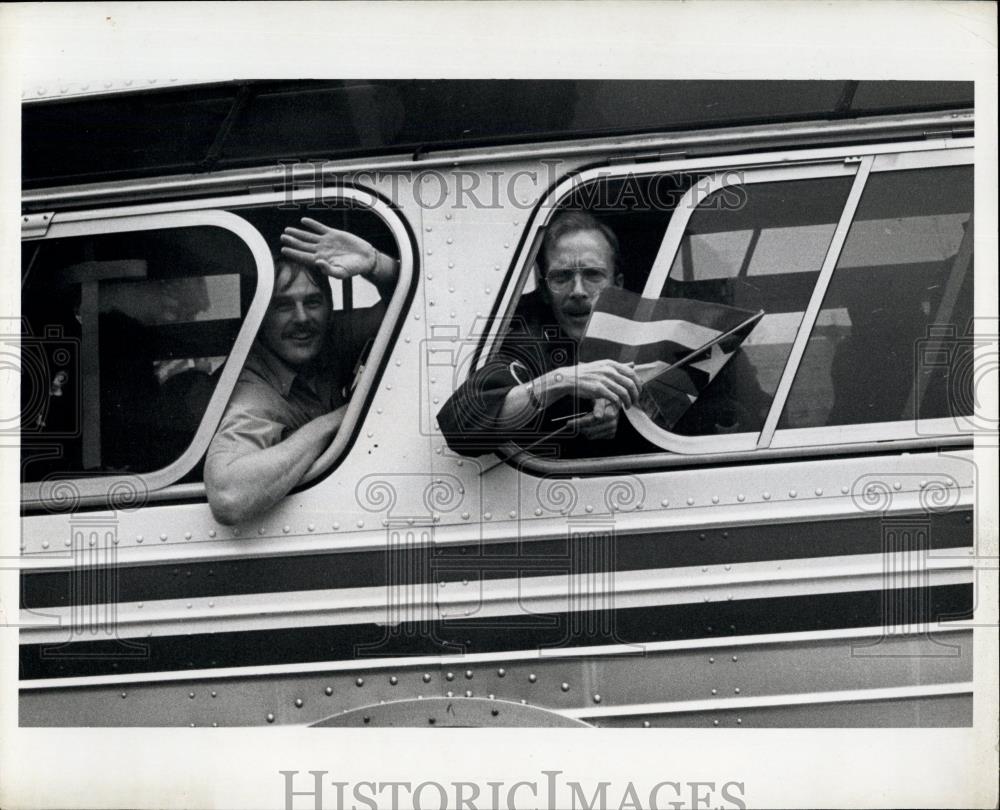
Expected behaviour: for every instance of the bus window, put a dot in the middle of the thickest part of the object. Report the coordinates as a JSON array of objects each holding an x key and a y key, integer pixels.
[
  {"x": 758, "y": 247},
  {"x": 123, "y": 338},
  {"x": 904, "y": 272}
]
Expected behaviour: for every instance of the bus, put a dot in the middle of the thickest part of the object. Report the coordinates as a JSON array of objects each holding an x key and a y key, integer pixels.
[{"x": 798, "y": 551}]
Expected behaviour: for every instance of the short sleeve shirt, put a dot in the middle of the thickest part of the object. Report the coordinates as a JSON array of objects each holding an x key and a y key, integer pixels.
[{"x": 272, "y": 400}]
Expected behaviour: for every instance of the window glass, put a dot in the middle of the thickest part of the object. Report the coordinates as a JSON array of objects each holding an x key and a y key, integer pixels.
[
  {"x": 902, "y": 274},
  {"x": 756, "y": 246},
  {"x": 123, "y": 337}
]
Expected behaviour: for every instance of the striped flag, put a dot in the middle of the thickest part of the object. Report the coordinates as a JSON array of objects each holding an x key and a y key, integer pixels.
[{"x": 678, "y": 345}]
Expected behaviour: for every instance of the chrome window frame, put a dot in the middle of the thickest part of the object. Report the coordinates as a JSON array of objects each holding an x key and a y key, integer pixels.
[
  {"x": 98, "y": 490},
  {"x": 730, "y": 448}
]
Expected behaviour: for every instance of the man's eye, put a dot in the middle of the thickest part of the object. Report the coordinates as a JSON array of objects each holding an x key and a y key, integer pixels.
[
  {"x": 284, "y": 306},
  {"x": 561, "y": 277},
  {"x": 594, "y": 276}
]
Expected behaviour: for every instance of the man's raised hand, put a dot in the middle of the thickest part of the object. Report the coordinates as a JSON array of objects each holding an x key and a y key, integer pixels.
[{"x": 337, "y": 253}]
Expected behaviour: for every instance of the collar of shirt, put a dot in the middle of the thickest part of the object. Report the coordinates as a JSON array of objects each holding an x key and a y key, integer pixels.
[{"x": 281, "y": 376}]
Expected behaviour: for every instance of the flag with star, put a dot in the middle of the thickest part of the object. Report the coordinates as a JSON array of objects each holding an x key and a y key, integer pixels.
[{"x": 678, "y": 345}]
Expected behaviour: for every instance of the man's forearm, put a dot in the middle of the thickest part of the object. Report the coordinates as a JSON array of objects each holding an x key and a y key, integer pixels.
[
  {"x": 384, "y": 274},
  {"x": 523, "y": 402},
  {"x": 242, "y": 486}
]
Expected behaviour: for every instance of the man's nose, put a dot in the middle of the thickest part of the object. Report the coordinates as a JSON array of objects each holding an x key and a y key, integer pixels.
[
  {"x": 300, "y": 313},
  {"x": 578, "y": 288}
]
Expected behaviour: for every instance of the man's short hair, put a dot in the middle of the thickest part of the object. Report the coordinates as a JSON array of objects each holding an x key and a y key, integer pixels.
[
  {"x": 569, "y": 222},
  {"x": 316, "y": 276}
]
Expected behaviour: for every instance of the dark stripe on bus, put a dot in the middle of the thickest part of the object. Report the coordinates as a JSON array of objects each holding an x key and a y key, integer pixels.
[
  {"x": 499, "y": 634},
  {"x": 474, "y": 562}
]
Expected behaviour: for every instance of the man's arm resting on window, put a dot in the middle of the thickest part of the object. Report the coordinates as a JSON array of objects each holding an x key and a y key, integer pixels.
[
  {"x": 600, "y": 380},
  {"x": 241, "y": 485}
]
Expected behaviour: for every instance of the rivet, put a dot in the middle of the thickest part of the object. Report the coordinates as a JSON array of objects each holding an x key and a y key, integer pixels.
[
  {"x": 270, "y": 718},
  {"x": 465, "y": 515},
  {"x": 741, "y": 497},
  {"x": 704, "y": 570},
  {"x": 735, "y": 658},
  {"x": 792, "y": 493},
  {"x": 366, "y": 719},
  {"x": 393, "y": 680},
  {"x": 715, "y": 499},
  {"x": 701, "y": 536},
  {"x": 715, "y": 691},
  {"x": 532, "y": 678},
  {"x": 359, "y": 682},
  {"x": 767, "y": 496},
  {"x": 68, "y": 541},
  {"x": 711, "y": 660},
  {"x": 506, "y": 244},
  {"x": 845, "y": 490},
  {"x": 298, "y": 703},
  {"x": 449, "y": 676},
  {"x": 512, "y": 514},
  {"x": 645, "y": 724},
  {"x": 311, "y": 527},
  {"x": 114, "y": 540},
  {"x": 427, "y": 677},
  {"x": 215, "y": 694},
  {"x": 564, "y": 686},
  {"x": 45, "y": 544},
  {"x": 715, "y": 722},
  {"x": 896, "y": 485},
  {"x": 491, "y": 696},
  {"x": 664, "y": 503},
  {"x": 466, "y": 582},
  {"x": 191, "y": 725},
  {"x": 690, "y": 501},
  {"x": 361, "y": 524},
  {"x": 138, "y": 539},
  {"x": 141, "y": 604},
  {"x": 736, "y": 691},
  {"x": 123, "y": 695},
  {"x": 597, "y": 698},
  {"x": 430, "y": 720},
  {"x": 93, "y": 540},
  {"x": 328, "y": 691},
  {"x": 819, "y": 491},
  {"x": 501, "y": 672},
  {"x": 429, "y": 229},
  {"x": 236, "y": 532},
  {"x": 488, "y": 516},
  {"x": 447, "y": 216},
  {"x": 188, "y": 606},
  {"x": 729, "y": 568},
  {"x": 215, "y": 725},
  {"x": 211, "y": 532},
  {"x": 336, "y": 526},
  {"x": 163, "y": 537},
  {"x": 588, "y": 508},
  {"x": 538, "y": 512},
  {"x": 191, "y": 695},
  {"x": 739, "y": 721},
  {"x": 187, "y": 535},
  {"x": 468, "y": 693},
  {"x": 449, "y": 693}
]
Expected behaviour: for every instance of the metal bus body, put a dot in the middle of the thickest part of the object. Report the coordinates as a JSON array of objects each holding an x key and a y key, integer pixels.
[{"x": 804, "y": 571}]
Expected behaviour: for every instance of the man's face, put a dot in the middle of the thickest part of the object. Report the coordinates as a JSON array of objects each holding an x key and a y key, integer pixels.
[
  {"x": 580, "y": 266},
  {"x": 297, "y": 318}
]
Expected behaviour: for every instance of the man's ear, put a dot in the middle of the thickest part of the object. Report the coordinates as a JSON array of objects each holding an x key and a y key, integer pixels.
[{"x": 619, "y": 280}]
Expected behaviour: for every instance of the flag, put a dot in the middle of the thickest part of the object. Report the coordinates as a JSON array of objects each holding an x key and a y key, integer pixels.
[{"x": 678, "y": 345}]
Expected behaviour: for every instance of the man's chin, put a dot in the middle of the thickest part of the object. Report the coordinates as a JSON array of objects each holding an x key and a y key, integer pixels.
[{"x": 575, "y": 325}]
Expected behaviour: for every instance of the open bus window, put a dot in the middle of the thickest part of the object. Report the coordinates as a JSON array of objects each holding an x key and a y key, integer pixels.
[
  {"x": 905, "y": 270},
  {"x": 123, "y": 339}
]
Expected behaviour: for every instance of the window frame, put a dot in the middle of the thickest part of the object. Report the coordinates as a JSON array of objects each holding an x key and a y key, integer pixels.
[
  {"x": 160, "y": 485},
  {"x": 769, "y": 442}
]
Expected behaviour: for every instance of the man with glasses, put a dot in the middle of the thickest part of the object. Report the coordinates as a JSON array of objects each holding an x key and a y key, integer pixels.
[{"x": 532, "y": 387}]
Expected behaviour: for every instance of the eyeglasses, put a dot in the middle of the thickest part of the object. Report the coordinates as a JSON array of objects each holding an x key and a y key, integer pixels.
[{"x": 593, "y": 278}]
